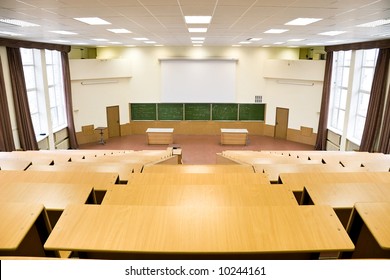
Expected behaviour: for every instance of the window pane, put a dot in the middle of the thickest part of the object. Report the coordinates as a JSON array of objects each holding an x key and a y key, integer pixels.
[
  {"x": 54, "y": 116},
  {"x": 27, "y": 56},
  {"x": 50, "y": 77},
  {"x": 36, "y": 123},
  {"x": 369, "y": 57},
  {"x": 343, "y": 99},
  {"x": 29, "y": 77},
  {"x": 33, "y": 102},
  {"x": 363, "y": 104},
  {"x": 52, "y": 97},
  {"x": 340, "y": 121},
  {"x": 345, "y": 76},
  {"x": 367, "y": 78},
  {"x": 48, "y": 57},
  {"x": 359, "y": 127}
]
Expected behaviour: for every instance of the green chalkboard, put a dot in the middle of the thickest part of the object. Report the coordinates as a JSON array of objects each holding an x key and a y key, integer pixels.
[
  {"x": 197, "y": 111},
  {"x": 251, "y": 112},
  {"x": 143, "y": 111},
  {"x": 225, "y": 112},
  {"x": 170, "y": 111}
]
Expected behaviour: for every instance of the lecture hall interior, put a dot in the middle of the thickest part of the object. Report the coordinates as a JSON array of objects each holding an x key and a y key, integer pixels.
[{"x": 195, "y": 130}]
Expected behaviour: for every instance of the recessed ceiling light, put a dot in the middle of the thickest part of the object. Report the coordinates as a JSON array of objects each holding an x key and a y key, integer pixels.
[
  {"x": 115, "y": 43},
  {"x": 296, "y": 40},
  {"x": 332, "y": 33},
  {"x": 197, "y": 30},
  {"x": 100, "y": 40},
  {"x": 314, "y": 44},
  {"x": 61, "y": 41},
  {"x": 198, "y": 38},
  {"x": 19, "y": 23},
  {"x": 119, "y": 31},
  {"x": 278, "y": 43},
  {"x": 255, "y": 39},
  {"x": 198, "y": 45},
  {"x": 303, "y": 21},
  {"x": 141, "y": 39},
  {"x": 276, "y": 31},
  {"x": 62, "y": 32},
  {"x": 10, "y": 33},
  {"x": 197, "y": 19},
  {"x": 245, "y": 43},
  {"x": 150, "y": 42},
  {"x": 375, "y": 23},
  {"x": 197, "y": 42},
  {"x": 93, "y": 21}
]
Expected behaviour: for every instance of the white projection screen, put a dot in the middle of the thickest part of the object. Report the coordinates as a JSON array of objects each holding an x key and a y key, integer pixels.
[{"x": 202, "y": 81}]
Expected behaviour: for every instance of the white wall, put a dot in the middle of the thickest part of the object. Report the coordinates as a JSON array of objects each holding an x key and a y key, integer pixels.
[{"x": 145, "y": 84}]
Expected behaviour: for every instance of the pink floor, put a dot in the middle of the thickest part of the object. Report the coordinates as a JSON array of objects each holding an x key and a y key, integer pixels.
[{"x": 197, "y": 149}]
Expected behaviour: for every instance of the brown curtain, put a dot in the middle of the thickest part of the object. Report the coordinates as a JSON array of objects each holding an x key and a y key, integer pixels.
[
  {"x": 19, "y": 91},
  {"x": 323, "y": 121},
  {"x": 377, "y": 102},
  {"x": 384, "y": 142},
  {"x": 68, "y": 100},
  {"x": 6, "y": 138}
]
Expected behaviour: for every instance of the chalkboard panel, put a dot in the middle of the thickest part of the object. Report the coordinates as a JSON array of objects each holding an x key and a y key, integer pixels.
[
  {"x": 143, "y": 111},
  {"x": 251, "y": 112},
  {"x": 224, "y": 112},
  {"x": 197, "y": 111},
  {"x": 170, "y": 111}
]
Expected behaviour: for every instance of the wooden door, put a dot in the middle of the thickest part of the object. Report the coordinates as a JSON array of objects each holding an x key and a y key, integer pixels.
[
  {"x": 281, "y": 123},
  {"x": 113, "y": 123}
]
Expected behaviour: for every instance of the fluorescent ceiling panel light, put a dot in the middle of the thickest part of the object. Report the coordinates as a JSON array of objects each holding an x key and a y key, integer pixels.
[
  {"x": 255, "y": 39},
  {"x": 150, "y": 42},
  {"x": 100, "y": 40},
  {"x": 198, "y": 38},
  {"x": 198, "y": 45},
  {"x": 197, "y": 30},
  {"x": 295, "y": 40},
  {"x": 10, "y": 33},
  {"x": 375, "y": 23},
  {"x": 276, "y": 31},
  {"x": 303, "y": 21},
  {"x": 332, "y": 33},
  {"x": 93, "y": 21},
  {"x": 115, "y": 43},
  {"x": 19, "y": 23},
  {"x": 278, "y": 43},
  {"x": 197, "y": 42},
  {"x": 245, "y": 42},
  {"x": 61, "y": 41},
  {"x": 197, "y": 19},
  {"x": 119, "y": 31},
  {"x": 62, "y": 32},
  {"x": 141, "y": 39},
  {"x": 314, "y": 44}
]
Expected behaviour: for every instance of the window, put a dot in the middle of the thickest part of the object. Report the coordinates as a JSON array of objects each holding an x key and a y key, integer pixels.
[
  {"x": 352, "y": 77},
  {"x": 43, "y": 75}
]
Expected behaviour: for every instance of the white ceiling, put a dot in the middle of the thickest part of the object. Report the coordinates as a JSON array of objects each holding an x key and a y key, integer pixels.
[{"x": 162, "y": 21}]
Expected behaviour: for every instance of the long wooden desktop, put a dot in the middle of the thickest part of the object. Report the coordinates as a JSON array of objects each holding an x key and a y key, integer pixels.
[
  {"x": 23, "y": 229},
  {"x": 369, "y": 229},
  {"x": 175, "y": 232}
]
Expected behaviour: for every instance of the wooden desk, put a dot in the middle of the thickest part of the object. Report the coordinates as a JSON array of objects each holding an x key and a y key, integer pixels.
[
  {"x": 153, "y": 232},
  {"x": 123, "y": 169},
  {"x": 198, "y": 168},
  {"x": 231, "y": 136},
  {"x": 14, "y": 164},
  {"x": 54, "y": 196},
  {"x": 23, "y": 229},
  {"x": 97, "y": 180},
  {"x": 201, "y": 196},
  {"x": 343, "y": 196},
  {"x": 304, "y": 179},
  {"x": 369, "y": 229},
  {"x": 198, "y": 179},
  {"x": 159, "y": 136}
]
